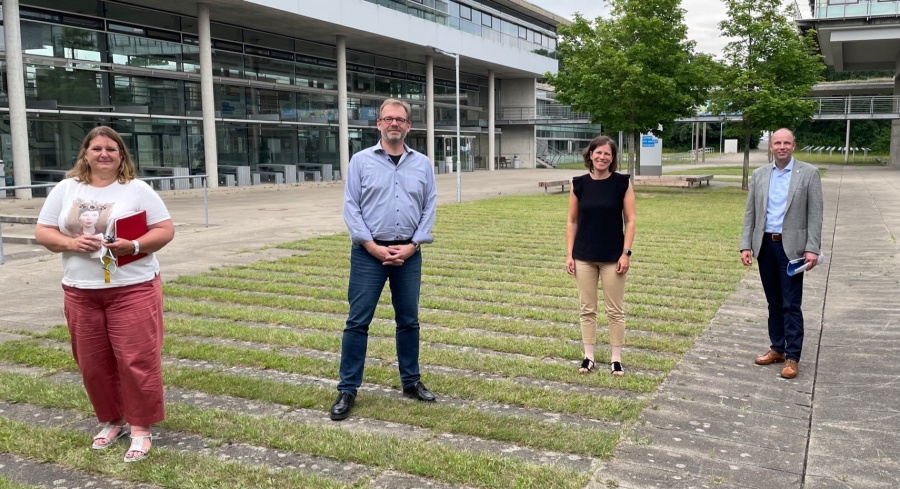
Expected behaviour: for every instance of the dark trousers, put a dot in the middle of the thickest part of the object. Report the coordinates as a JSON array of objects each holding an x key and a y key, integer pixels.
[
  {"x": 784, "y": 295},
  {"x": 367, "y": 278}
]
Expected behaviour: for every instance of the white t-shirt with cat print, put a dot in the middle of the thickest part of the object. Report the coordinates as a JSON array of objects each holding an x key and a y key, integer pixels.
[{"x": 78, "y": 209}]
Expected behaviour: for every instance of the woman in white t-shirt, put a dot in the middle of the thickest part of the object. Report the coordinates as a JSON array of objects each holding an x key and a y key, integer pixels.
[{"x": 114, "y": 314}]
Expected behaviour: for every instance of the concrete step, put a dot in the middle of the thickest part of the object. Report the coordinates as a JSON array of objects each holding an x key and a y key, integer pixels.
[{"x": 18, "y": 230}]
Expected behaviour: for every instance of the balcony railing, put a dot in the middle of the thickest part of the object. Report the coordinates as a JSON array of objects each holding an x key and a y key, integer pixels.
[
  {"x": 437, "y": 12},
  {"x": 830, "y": 9},
  {"x": 544, "y": 111}
]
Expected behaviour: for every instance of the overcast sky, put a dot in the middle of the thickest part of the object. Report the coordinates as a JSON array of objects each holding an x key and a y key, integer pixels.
[{"x": 702, "y": 17}]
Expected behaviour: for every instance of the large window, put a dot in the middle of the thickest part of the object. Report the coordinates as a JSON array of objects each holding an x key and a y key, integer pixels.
[
  {"x": 72, "y": 89},
  {"x": 144, "y": 53},
  {"x": 62, "y": 42},
  {"x": 158, "y": 95}
]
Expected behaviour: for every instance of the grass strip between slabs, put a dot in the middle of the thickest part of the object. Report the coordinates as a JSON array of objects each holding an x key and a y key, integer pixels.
[
  {"x": 170, "y": 468},
  {"x": 6, "y": 483},
  {"x": 383, "y": 347},
  {"x": 439, "y": 417},
  {"x": 251, "y": 298},
  {"x": 165, "y": 468},
  {"x": 498, "y": 391},
  {"x": 456, "y": 321}
]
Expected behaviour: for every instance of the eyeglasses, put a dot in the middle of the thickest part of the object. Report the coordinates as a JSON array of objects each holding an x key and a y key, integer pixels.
[{"x": 391, "y": 120}]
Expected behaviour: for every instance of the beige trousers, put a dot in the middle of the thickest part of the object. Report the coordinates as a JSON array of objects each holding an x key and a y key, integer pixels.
[{"x": 588, "y": 275}]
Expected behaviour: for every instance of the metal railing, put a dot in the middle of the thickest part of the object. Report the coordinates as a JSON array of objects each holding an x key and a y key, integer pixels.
[
  {"x": 203, "y": 178},
  {"x": 875, "y": 105},
  {"x": 545, "y": 111},
  {"x": 443, "y": 17},
  {"x": 826, "y": 9},
  {"x": 834, "y": 108}
]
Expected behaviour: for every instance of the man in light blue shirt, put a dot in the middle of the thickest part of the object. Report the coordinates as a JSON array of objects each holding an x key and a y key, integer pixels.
[
  {"x": 389, "y": 207},
  {"x": 783, "y": 222}
]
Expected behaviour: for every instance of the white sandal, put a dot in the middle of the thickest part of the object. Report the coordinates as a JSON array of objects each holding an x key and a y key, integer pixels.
[
  {"x": 137, "y": 445},
  {"x": 104, "y": 435}
]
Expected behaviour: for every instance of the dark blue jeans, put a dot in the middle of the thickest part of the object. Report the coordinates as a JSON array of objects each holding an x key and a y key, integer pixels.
[
  {"x": 367, "y": 278},
  {"x": 784, "y": 295}
]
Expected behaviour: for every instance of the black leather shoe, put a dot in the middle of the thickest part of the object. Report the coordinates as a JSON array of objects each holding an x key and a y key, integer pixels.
[
  {"x": 420, "y": 392},
  {"x": 341, "y": 407}
]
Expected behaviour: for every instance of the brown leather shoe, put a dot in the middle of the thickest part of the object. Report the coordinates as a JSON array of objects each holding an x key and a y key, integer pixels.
[
  {"x": 769, "y": 358},
  {"x": 790, "y": 370}
]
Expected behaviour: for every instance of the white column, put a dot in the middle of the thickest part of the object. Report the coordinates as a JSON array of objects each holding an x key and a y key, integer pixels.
[
  {"x": 343, "y": 125},
  {"x": 492, "y": 108},
  {"x": 15, "y": 84},
  {"x": 208, "y": 99},
  {"x": 429, "y": 108},
  {"x": 895, "y": 131},
  {"x": 847, "y": 144},
  {"x": 704, "y": 143}
]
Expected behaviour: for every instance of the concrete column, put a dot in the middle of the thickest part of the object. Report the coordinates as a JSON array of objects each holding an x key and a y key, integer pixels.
[
  {"x": 15, "y": 84},
  {"x": 696, "y": 142},
  {"x": 895, "y": 132},
  {"x": 429, "y": 109},
  {"x": 492, "y": 108},
  {"x": 704, "y": 143},
  {"x": 207, "y": 96},
  {"x": 847, "y": 144},
  {"x": 343, "y": 125}
]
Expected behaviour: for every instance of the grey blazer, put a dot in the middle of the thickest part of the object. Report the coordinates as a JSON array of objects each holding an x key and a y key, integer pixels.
[{"x": 802, "y": 227}]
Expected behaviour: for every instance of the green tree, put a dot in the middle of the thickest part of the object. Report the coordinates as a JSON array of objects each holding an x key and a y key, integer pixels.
[
  {"x": 767, "y": 68},
  {"x": 633, "y": 71}
]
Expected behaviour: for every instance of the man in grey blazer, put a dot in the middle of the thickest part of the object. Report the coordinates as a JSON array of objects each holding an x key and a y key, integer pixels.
[{"x": 783, "y": 222}]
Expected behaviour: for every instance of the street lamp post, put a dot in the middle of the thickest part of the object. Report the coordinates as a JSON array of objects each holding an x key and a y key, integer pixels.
[{"x": 455, "y": 57}]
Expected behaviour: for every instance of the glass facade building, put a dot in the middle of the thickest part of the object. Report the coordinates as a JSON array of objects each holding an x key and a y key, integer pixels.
[{"x": 137, "y": 68}]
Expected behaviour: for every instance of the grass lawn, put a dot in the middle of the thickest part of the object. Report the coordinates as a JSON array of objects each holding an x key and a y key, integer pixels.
[{"x": 500, "y": 349}]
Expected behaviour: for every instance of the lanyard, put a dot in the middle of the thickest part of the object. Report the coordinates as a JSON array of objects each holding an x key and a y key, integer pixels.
[{"x": 109, "y": 264}]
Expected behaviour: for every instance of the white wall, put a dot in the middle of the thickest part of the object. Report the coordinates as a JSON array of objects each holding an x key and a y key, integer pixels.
[
  {"x": 519, "y": 140},
  {"x": 518, "y": 92}
]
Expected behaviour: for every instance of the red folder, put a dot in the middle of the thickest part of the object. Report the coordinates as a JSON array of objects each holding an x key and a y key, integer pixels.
[{"x": 130, "y": 226}]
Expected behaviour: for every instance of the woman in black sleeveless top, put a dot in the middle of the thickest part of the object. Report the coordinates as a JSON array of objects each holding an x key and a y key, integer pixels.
[{"x": 599, "y": 234}]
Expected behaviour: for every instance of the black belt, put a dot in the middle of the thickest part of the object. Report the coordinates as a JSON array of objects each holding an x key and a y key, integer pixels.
[
  {"x": 772, "y": 236},
  {"x": 393, "y": 243}
]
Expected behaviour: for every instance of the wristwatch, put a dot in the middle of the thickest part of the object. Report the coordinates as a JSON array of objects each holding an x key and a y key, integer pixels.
[
  {"x": 416, "y": 245},
  {"x": 137, "y": 246},
  {"x": 626, "y": 252}
]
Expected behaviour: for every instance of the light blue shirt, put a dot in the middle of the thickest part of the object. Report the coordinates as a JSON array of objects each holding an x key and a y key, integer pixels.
[
  {"x": 779, "y": 185},
  {"x": 390, "y": 202}
]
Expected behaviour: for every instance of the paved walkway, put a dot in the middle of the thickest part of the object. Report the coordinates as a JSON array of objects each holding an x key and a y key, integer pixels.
[{"x": 719, "y": 420}]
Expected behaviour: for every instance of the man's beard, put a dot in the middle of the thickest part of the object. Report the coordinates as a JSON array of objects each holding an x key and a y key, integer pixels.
[{"x": 393, "y": 136}]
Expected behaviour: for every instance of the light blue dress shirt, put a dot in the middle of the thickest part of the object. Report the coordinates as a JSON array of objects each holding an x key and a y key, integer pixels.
[
  {"x": 779, "y": 185},
  {"x": 390, "y": 202}
]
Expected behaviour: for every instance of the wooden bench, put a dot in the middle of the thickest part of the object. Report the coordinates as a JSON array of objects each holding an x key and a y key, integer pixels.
[
  {"x": 881, "y": 161},
  {"x": 698, "y": 179},
  {"x": 555, "y": 183},
  {"x": 672, "y": 180}
]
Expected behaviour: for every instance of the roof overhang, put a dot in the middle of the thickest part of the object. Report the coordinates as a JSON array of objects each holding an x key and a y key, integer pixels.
[{"x": 863, "y": 44}]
